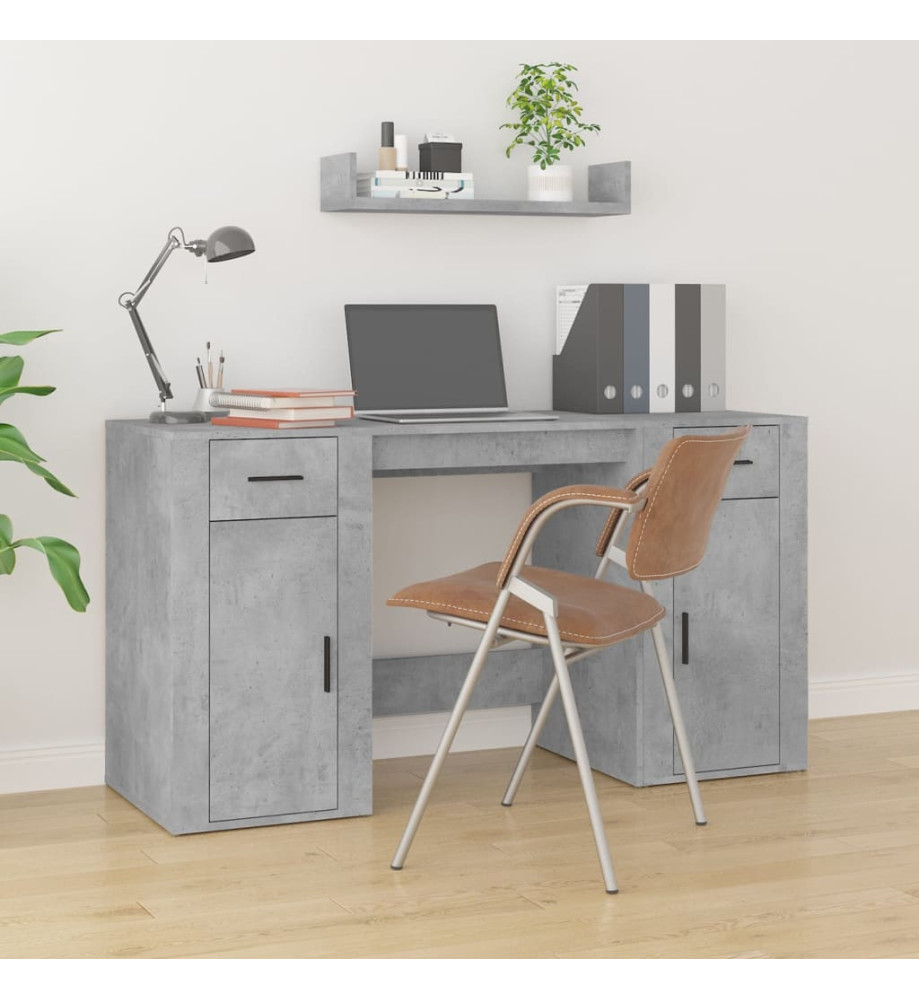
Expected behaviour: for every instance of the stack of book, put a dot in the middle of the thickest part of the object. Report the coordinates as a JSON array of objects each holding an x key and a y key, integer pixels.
[
  {"x": 277, "y": 409},
  {"x": 415, "y": 184}
]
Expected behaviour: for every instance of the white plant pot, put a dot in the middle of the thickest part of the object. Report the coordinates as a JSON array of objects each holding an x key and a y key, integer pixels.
[{"x": 552, "y": 184}]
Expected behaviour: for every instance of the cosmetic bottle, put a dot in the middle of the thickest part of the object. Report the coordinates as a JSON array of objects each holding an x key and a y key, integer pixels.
[{"x": 387, "y": 147}]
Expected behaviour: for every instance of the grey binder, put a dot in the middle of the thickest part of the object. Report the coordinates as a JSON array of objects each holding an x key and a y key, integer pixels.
[
  {"x": 635, "y": 348},
  {"x": 688, "y": 348},
  {"x": 587, "y": 376}
]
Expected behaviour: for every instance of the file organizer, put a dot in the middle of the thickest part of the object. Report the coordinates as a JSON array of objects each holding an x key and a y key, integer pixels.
[{"x": 639, "y": 348}]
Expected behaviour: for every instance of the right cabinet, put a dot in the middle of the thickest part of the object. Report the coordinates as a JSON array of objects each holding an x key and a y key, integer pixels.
[
  {"x": 726, "y": 641},
  {"x": 736, "y": 626}
]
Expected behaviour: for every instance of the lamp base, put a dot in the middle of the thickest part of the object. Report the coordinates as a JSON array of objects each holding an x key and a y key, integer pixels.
[{"x": 179, "y": 417}]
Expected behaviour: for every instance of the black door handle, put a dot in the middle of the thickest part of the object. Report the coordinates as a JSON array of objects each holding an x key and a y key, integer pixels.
[
  {"x": 273, "y": 479},
  {"x": 327, "y": 664},
  {"x": 684, "y": 659},
  {"x": 743, "y": 461}
]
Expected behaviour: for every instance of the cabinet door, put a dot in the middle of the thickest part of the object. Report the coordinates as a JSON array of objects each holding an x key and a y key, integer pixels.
[
  {"x": 729, "y": 688},
  {"x": 273, "y": 723}
]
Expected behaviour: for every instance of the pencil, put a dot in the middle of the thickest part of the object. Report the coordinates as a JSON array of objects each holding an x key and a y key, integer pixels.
[
  {"x": 210, "y": 367},
  {"x": 220, "y": 371}
]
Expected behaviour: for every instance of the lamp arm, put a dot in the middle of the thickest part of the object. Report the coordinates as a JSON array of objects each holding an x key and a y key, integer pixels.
[
  {"x": 159, "y": 376},
  {"x": 130, "y": 301}
]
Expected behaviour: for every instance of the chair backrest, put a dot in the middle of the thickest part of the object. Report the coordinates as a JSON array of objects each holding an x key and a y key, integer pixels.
[{"x": 670, "y": 534}]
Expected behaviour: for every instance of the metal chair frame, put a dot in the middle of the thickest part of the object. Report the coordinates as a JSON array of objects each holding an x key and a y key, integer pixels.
[{"x": 563, "y": 656}]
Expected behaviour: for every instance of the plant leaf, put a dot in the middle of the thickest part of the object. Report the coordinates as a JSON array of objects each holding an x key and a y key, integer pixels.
[
  {"x": 20, "y": 337},
  {"x": 32, "y": 390},
  {"x": 49, "y": 478},
  {"x": 7, "y": 555},
  {"x": 10, "y": 370},
  {"x": 64, "y": 563},
  {"x": 13, "y": 448}
]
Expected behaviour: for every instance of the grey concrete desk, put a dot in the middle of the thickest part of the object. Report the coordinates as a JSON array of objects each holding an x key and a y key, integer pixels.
[{"x": 240, "y": 687}]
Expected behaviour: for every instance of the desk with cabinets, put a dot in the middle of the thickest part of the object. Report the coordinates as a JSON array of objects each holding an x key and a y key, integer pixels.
[{"x": 240, "y": 685}]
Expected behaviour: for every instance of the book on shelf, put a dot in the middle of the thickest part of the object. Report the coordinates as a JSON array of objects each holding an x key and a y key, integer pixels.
[
  {"x": 272, "y": 399},
  {"x": 415, "y": 184},
  {"x": 412, "y": 175},
  {"x": 444, "y": 193},
  {"x": 272, "y": 425},
  {"x": 293, "y": 413}
]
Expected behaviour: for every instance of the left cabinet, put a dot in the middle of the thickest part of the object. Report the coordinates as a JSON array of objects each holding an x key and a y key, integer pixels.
[{"x": 232, "y": 699}]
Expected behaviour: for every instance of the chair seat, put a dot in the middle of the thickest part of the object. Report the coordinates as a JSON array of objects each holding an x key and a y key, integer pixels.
[{"x": 590, "y": 612}]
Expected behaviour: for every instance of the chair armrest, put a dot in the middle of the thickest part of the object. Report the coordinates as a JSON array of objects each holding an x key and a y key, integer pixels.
[
  {"x": 635, "y": 483},
  {"x": 549, "y": 503}
]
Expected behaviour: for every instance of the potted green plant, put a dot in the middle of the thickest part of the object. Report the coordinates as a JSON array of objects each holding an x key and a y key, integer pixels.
[
  {"x": 63, "y": 558},
  {"x": 546, "y": 104}
]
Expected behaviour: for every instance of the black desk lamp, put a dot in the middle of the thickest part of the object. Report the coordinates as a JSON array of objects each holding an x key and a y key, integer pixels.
[{"x": 223, "y": 244}]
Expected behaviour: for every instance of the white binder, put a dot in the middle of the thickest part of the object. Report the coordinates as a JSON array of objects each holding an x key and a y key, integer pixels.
[
  {"x": 661, "y": 348},
  {"x": 713, "y": 347}
]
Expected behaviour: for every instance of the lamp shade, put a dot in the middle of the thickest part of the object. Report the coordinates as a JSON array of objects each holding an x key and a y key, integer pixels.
[{"x": 228, "y": 242}]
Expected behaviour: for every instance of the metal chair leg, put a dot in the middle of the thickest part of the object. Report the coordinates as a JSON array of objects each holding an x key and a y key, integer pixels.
[
  {"x": 580, "y": 753},
  {"x": 527, "y": 752},
  {"x": 539, "y": 723},
  {"x": 453, "y": 724},
  {"x": 679, "y": 729}
]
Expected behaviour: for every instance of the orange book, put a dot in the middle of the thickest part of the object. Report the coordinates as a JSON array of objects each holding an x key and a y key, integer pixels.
[
  {"x": 301, "y": 413},
  {"x": 274, "y": 399},
  {"x": 273, "y": 425},
  {"x": 295, "y": 392}
]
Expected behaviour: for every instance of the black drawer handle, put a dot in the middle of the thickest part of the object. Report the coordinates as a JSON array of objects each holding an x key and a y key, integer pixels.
[
  {"x": 327, "y": 664},
  {"x": 273, "y": 479},
  {"x": 684, "y": 659},
  {"x": 743, "y": 461}
]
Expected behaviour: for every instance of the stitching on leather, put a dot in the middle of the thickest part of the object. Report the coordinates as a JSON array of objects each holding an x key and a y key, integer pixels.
[
  {"x": 615, "y": 514},
  {"x": 442, "y": 605},
  {"x": 653, "y": 500},
  {"x": 565, "y": 493}
]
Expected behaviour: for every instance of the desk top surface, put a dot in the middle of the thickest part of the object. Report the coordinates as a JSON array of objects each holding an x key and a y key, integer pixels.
[{"x": 565, "y": 422}]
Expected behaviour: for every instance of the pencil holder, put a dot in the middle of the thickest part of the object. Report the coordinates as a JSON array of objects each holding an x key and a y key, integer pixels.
[{"x": 203, "y": 403}]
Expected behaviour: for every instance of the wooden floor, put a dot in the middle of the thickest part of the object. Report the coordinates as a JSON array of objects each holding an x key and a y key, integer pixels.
[{"x": 823, "y": 863}]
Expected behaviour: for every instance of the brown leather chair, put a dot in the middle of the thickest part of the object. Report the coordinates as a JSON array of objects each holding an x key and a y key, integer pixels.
[{"x": 673, "y": 504}]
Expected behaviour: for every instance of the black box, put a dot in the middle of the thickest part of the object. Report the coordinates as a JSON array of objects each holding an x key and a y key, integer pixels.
[{"x": 445, "y": 157}]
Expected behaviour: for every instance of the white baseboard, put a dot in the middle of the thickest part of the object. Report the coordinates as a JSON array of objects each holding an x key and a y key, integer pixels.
[
  {"x": 482, "y": 729},
  {"x": 51, "y": 767},
  {"x": 45, "y": 768},
  {"x": 414, "y": 735},
  {"x": 863, "y": 695}
]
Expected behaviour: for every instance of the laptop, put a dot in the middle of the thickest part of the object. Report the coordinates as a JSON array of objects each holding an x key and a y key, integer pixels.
[{"x": 425, "y": 364}]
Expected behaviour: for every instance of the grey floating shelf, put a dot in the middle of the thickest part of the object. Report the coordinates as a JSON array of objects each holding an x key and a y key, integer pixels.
[{"x": 609, "y": 193}]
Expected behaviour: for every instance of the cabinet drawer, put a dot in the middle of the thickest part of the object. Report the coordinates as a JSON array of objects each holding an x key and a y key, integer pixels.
[
  {"x": 756, "y": 468},
  {"x": 293, "y": 477}
]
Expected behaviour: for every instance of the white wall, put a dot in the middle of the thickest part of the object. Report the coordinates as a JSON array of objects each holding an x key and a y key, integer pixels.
[{"x": 788, "y": 171}]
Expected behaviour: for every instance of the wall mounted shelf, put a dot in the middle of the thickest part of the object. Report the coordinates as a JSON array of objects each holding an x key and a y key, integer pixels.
[{"x": 609, "y": 193}]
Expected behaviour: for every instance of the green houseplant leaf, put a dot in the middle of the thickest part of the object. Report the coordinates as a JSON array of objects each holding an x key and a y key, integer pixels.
[
  {"x": 20, "y": 337},
  {"x": 63, "y": 558},
  {"x": 7, "y": 555},
  {"x": 64, "y": 563},
  {"x": 13, "y": 448}
]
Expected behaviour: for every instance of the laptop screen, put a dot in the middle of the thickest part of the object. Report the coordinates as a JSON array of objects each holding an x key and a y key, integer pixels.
[{"x": 425, "y": 357}]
